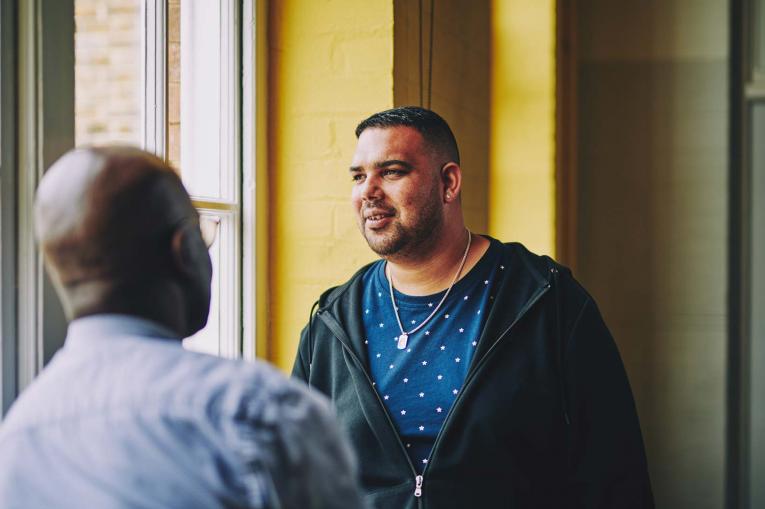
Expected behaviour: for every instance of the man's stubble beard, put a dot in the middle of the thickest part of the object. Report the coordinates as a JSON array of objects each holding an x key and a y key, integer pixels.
[{"x": 409, "y": 241}]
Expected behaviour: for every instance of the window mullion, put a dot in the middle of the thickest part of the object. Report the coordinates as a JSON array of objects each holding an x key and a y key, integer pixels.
[{"x": 154, "y": 76}]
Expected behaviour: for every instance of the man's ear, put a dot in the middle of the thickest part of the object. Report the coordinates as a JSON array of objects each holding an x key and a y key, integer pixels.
[
  {"x": 186, "y": 246},
  {"x": 451, "y": 178}
]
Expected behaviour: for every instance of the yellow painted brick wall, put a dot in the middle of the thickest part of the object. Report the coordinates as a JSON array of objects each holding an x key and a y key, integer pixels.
[
  {"x": 330, "y": 66},
  {"x": 522, "y": 159}
]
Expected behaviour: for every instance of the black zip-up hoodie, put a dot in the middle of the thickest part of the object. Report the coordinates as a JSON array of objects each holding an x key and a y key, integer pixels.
[{"x": 545, "y": 419}]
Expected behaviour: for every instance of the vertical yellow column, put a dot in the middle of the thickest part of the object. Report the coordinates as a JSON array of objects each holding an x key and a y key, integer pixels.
[
  {"x": 330, "y": 66},
  {"x": 522, "y": 159}
]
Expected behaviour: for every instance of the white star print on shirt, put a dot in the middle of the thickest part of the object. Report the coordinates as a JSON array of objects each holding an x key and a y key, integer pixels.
[{"x": 423, "y": 387}]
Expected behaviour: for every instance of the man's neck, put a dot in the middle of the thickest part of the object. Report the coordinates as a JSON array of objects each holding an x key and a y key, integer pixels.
[{"x": 435, "y": 271}]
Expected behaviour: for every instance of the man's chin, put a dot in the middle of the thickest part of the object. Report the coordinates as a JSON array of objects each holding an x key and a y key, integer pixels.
[{"x": 383, "y": 244}]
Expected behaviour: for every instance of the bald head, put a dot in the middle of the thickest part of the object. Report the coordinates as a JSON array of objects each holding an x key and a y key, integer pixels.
[{"x": 115, "y": 224}]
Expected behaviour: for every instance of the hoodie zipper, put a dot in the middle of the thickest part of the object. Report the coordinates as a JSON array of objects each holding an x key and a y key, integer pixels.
[
  {"x": 341, "y": 336},
  {"x": 419, "y": 479},
  {"x": 479, "y": 366}
]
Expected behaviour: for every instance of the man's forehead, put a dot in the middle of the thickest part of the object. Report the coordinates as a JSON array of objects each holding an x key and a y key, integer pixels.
[{"x": 379, "y": 144}]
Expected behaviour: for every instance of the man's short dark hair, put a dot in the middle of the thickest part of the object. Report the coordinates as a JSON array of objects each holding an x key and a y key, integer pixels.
[{"x": 429, "y": 124}]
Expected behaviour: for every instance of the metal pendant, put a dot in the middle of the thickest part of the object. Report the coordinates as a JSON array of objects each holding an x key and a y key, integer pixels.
[{"x": 402, "y": 339}]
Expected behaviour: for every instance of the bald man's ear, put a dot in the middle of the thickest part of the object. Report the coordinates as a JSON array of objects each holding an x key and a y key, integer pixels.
[{"x": 189, "y": 252}]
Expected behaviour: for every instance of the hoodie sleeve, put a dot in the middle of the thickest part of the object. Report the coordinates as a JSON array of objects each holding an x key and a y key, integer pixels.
[
  {"x": 607, "y": 463},
  {"x": 301, "y": 369}
]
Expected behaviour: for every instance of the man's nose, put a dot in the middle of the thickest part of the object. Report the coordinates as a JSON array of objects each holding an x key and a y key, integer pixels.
[{"x": 371, "y": 189}]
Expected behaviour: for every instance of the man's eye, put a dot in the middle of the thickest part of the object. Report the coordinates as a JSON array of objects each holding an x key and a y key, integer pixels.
[
  {"x": 392, "y": 173},
  {"x": 357, "y": 177}
]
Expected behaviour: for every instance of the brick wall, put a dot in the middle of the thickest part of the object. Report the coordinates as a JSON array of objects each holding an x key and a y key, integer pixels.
[{"x": 107, "y": 71}]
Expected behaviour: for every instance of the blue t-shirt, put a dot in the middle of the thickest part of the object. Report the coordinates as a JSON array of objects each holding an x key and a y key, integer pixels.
[{"x": 419, "y": 383}]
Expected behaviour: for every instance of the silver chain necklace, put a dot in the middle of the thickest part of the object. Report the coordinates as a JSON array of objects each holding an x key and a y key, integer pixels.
[{"x": 404, "y": 337}]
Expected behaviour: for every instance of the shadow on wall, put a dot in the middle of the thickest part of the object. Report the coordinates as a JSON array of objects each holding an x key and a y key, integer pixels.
[{"x": 652, "y": 152}]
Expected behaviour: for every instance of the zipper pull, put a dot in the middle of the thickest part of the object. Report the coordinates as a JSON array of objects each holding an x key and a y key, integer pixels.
[{"x": 418, "y": 486}]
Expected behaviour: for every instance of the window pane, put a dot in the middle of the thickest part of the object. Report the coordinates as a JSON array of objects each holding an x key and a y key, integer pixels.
[
  {"x": 107, "y": 71},
  {"x": 220, "y": 336},
  {"x": 201, "y": 97}
]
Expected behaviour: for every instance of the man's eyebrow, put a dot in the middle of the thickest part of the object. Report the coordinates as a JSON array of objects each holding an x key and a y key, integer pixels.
[
  {"x": 393, "y": 162},
  {"x": 383, "y": 164}
]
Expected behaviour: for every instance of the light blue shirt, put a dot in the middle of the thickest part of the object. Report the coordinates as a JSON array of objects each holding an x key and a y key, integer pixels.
[{"x": 124, "y": 417}]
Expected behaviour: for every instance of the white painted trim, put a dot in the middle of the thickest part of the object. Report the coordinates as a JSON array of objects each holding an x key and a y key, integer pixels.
[
  {"x": 30, "y": 325},
  {"x": 249, "y": 199},
  {"x": 153, "y": 76}
]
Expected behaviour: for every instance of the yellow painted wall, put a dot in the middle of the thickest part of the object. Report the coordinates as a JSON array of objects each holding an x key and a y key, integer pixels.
[
  {"x": 330, "y": 66},
  {"x": 522, "y": 159}
]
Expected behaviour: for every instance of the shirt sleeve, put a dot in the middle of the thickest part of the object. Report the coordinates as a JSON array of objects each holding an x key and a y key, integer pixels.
[{"x": 294, "y": 453}]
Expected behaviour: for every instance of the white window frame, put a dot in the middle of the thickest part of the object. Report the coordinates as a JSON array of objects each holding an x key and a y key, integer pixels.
[
  {"x": 45, "y": 132},
  {"x": 237, "y": 324},
  {"x": 37, "y": 67}
]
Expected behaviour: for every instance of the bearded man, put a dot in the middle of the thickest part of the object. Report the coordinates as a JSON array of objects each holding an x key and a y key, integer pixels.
[{"x": 467, "y": 372}]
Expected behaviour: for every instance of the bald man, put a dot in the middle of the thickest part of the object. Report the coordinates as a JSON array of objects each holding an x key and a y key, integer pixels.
[{"x": 123, "y": 416}]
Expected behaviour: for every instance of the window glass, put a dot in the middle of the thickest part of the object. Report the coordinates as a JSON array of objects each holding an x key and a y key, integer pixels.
[
  {"x": 203, "y": 106},
  {"x": 202, "y": 81},
  {"x": 220, "y": 335},
  {"x": 107, "y": 71}
]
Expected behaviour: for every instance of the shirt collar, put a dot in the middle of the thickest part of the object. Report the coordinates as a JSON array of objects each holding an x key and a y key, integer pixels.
[{"x": 97, "y": 327}]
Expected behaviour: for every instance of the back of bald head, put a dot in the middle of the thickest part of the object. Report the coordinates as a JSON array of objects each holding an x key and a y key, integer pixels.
[{"x": 106, "y": 215}]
